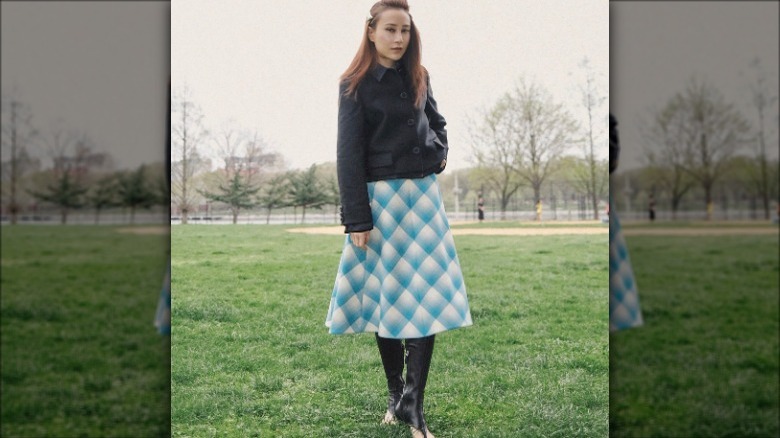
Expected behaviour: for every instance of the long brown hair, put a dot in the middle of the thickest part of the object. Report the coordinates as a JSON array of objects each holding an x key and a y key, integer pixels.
[{"x": 365, "y": 59}]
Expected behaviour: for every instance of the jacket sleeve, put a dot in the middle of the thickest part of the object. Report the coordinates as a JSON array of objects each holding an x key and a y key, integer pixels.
[
  {"x": 614, "y": 144},
  {"x": 435, "y": 119},
  {"x": 350, "y": 164}
]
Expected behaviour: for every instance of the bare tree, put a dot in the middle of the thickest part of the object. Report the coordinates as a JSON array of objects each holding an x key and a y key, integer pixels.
[
  {"x": 763, "y": 100},
  {"x": 17, "y": 134},
  {"x": 664, "y": 149},
  {"x": 242, "y": 155},
  {"x": 591, "y": 175},
  {"x": 188, "y": 135},
  {"x": 494, "y": 151},
  {"x": 714, "y": 132},
  {"x": 541, "y": 133}
]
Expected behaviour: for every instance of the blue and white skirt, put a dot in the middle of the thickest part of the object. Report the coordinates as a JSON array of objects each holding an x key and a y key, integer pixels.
[
  {"x": 162, "y": 318},
  {"x": 624, "y": 310},
  {"x": 408, "y": 282}
]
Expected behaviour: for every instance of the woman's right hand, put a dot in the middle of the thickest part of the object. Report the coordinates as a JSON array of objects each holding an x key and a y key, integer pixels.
[{"x": 360, "y": 239}]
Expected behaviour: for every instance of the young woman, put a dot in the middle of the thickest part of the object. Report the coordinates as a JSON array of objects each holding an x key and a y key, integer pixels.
[
  {"x": 399, "y": 275},
  {"x": 624, "y": 309}
]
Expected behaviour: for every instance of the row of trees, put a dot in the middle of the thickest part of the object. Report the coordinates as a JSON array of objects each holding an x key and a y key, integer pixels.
[
  {"x": 132, "y": 190},
  {"x": 78, "y": 176},
  {"x": 297, "y": 188},
  {"x": 525, "y": 141},
  {"x": 249, "y": 176},
  {"x": 698, "y": 140}
]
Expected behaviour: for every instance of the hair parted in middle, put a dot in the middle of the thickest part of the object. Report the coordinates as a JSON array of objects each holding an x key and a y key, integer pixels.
[{"x": 366, "y": 57}]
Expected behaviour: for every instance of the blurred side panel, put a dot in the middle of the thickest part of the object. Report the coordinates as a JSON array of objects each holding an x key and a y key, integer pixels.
[
  {"x": 694, "y": 87},
  {"x": 85, "y": 223}
]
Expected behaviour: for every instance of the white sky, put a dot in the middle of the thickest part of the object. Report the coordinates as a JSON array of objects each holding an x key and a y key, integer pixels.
[
  {"x": 658, "y": 46},
  {"x": 97, "y": 67},
  {"x": 274, "y": 66}
]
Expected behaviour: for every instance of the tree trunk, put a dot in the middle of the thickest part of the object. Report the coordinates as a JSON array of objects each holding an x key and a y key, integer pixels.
[
  {"x": 63, "y": 216},
  {"x": 268, "y": 216},
  {"x": 235, "y": 216},
  {"x": 14, "y": 210},
  {"x": 537, "y": 201}
]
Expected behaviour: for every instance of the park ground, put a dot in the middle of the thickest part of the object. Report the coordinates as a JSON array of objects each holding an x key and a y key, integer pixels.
[{"x": 251, "y": 356}]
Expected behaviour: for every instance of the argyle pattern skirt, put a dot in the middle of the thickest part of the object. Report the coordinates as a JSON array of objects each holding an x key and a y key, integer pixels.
[
  {"x": 162, "y": 318},
  {"x": 408, "y": 282},
  {"x": 624, "y": 310}
]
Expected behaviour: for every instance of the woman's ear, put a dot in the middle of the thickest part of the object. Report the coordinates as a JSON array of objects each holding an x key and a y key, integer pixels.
[{"x": 371, "y": 34}]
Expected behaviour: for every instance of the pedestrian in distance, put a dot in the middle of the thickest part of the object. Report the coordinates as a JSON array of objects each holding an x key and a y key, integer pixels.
[
  {"x": 399, "y": 275},
  {"x": 481, "y": 208},
  {"x": 651, "y": 208}
]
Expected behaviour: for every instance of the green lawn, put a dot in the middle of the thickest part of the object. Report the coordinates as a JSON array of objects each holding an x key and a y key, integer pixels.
[
  {"x": 532, "y": 224},
  {"x": 706, "y": 361},
  {"x": 80, "y": 356},
  {"x": 251, "y": 356}
]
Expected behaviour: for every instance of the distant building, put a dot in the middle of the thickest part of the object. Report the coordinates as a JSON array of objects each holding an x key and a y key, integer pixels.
[
  {"x": 82, "y": 164},
  {"x": 197, "y": 163},
  {"x": 253, "y": 165}
]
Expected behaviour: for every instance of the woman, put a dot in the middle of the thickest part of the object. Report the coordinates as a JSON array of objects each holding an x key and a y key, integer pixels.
[
  {"x": 399, "y": 275},
  {"x": 624, "y": 309}
]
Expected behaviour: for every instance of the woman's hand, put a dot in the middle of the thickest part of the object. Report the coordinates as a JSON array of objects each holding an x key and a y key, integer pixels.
[
  {"x": 360, "y": 239},
  {"x": 443, "y": 163}
]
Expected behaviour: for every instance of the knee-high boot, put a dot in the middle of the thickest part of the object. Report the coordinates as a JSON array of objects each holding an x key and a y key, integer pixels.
[
  {"x": 392, "y": 353},
  {"x": 418, "y": 361}
]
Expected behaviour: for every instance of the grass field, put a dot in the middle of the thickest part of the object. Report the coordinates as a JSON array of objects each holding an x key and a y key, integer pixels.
[
  {"x": 531, "y": 224},
  {"x": 251, "y": 356},
  {"x": 706, "y": 362},
  {"x": 80, "y": 356}
]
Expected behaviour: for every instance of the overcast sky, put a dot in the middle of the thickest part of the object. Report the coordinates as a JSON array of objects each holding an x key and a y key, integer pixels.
[
  {"x": 657, "y": 46},
  {"x": 97, "y": 67},
  {"x": 274, "y": 66}
]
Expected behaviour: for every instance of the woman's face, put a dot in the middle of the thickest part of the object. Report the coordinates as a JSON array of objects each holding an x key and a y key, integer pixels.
[{"x": 391, "y": 36}]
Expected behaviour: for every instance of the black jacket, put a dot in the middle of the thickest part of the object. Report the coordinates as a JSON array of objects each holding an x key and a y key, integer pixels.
[
  {"x": 382, "y": 135},
  {"x": 614, "y": 144}
]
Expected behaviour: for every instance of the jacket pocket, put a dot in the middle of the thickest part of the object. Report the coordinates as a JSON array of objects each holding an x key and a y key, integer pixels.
[
  {"x": 433, "y": 139},
  {"x": 380, "y": 160}
]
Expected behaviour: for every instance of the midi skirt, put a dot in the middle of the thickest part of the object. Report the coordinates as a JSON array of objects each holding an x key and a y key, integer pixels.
[
  {"x": 408, "y": 282},
  {"x": 162, "y": 318},
  {"x": 624, "y": 310}
]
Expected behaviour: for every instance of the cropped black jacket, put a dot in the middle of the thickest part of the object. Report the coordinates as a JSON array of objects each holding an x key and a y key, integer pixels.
[
  {"x": 614, "y": 143},
  {"x": 382, "y": 135}
]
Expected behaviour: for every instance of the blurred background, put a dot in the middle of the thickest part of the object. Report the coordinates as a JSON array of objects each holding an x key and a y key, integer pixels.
[
  {"x": 694, "y": 86},
  {"x": 84, "y": 213},
  {"x": 523, "y": 87}
]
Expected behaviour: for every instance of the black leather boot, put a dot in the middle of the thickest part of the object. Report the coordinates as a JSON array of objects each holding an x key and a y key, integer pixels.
[
  {"x": 392, "y": 353},
  {"x": 418, "y": 361}
]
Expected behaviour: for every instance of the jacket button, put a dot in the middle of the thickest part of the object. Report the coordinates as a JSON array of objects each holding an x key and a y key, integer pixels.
[
  {"x": 403, "y": 95},
  {"x": 410, "y": 122},
  {"x": 416, "y": 150}
]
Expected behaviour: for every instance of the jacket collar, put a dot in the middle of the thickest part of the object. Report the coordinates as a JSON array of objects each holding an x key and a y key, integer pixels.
[{"x": 379, "y": 70}]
